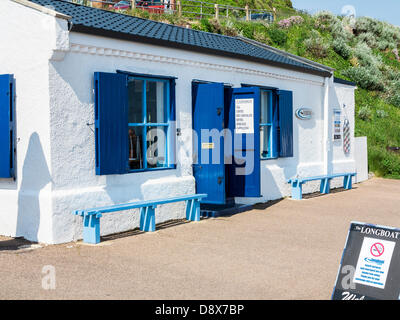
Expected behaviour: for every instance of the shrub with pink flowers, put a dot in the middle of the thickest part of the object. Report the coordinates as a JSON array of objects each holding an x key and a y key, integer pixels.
[{"x": 286, "y": 23}]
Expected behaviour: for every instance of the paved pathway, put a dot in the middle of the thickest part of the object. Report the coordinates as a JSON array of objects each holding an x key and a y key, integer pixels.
[{"x": 288, "y": 250}]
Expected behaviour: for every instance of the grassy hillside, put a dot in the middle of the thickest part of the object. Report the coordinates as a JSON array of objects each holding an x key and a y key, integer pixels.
[{"x": 363, "y": 50}]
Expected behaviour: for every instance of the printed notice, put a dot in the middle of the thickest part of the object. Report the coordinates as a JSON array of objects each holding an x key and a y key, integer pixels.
[
  {"x": 337, "y": 125},
  {"x": 373, "y": 262},
  {"x": 244, "y": 116}
]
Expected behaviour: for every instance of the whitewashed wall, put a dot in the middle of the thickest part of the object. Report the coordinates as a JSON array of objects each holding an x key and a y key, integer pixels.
[
  {"x": 64, "y": 107},
  {"x": 361, "y": 158},
  {"x": 28, "y": 39}
]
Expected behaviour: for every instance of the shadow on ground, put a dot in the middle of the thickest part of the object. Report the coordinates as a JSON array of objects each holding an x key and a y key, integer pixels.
[
  {"x": 262, "y": 206},
  {"x": 332, "y": 191},
  {"x": 129, "y": 233},
  {"x": 13, "y": 244}
]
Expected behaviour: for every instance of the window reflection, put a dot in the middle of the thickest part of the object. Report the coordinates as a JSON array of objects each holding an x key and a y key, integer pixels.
[
  {"x": 155, "y": 97},
  {"x": 264, "y": 141},
  {"x": 135, "y": 148},
  {"x": 135, "y": 88}
]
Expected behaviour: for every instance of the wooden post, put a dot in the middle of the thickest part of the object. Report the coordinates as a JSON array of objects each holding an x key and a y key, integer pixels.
[
  {"x": 179, "y": 8},
  {"x": 274, "y": 10},
  {"x": 172, "y": 5},
  {"x": 133, "y": 4},
  {"x": 247, "y": 12},
  {"x": 216, "y": 11}
]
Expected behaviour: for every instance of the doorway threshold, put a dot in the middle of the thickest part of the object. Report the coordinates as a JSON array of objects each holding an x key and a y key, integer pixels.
[{"x": 215, "y": 211}]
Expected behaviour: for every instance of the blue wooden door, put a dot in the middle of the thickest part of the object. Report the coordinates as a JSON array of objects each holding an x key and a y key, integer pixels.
[
  {"x": 244, "y": 124},
  {"x": 208, "y": 155}
]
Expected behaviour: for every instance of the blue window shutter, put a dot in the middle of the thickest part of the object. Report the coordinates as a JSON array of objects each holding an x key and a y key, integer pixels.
[
  {"x": 172, "y": 114},
  {"x": 285, "y": 105},
  {"x": 6, "y": 126},
  {"x": 111, "y": 123}
]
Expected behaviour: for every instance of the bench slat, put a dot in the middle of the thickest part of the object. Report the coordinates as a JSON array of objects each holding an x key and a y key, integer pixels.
[
  {"x": 137, "y": 204},
  {"x": 328, "y": 176}
]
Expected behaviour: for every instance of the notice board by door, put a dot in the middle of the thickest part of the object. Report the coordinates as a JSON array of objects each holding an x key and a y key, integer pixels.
[{"x": 243, "y": 122}]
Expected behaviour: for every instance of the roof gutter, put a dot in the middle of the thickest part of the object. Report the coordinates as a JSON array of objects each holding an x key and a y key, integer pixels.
[{"x": 46, "y": 10}]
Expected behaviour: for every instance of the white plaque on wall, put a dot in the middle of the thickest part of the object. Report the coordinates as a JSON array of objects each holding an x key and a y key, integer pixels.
[{"x": 244, "y": 116}]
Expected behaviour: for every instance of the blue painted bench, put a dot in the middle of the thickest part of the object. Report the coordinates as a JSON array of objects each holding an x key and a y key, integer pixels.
[
  {"x": 91, "y": 217},
  {"x": 297, "y": 183}
]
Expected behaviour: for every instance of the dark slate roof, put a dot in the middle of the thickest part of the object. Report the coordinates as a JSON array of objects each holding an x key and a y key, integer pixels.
[
  {"x": 346, "y": 82},
  {"x": 120, "y": 26}
]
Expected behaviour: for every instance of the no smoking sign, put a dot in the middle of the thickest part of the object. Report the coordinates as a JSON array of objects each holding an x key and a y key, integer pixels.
[{"x": 377, "y": 249}]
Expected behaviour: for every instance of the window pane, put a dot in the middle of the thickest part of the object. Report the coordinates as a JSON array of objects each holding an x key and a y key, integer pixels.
[
  {"x": 155, "y": 97},
  {"x": 135, "y": 88},
  {"x": 264, "y": 141},
  {"x": 135, "y": 148},
  {"x": 265, "y": 112},
  {"x": 156, "y": 147}
]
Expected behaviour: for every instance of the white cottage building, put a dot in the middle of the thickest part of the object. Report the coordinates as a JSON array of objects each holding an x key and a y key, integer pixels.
[{"x": 86, "y": 93}]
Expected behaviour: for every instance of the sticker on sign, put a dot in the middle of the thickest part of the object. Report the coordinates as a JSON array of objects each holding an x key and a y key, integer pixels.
[{"x": 373, "y": 262}]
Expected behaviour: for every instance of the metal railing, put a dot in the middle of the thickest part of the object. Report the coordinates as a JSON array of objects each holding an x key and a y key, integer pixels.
[
  {"x": 194, "y": 9},
  {"x": 201, "y": 9}
]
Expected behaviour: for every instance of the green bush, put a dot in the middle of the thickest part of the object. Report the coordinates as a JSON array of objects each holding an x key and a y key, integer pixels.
[
  {"x": 377, "y": 33},
  {"x": 365, "y": 113},
  {"x": 366, "y": 56},
  {"x": 393, "y": 95},
  {"x": 245, "y": 29},
  {"x": 277, "y": 36},
  {"x": 394, "y": 99},
  {"x": 228, "y": 28},
  {"x": 385, "y": 44},
  {"x": 381, "y": 114},
  {"x": 341, "y": 48},
  {"x": 315, "y": 45},
  {"x": 324, "y": 20},
  {"x": 390, "y": 165},
  {"x": 368, "y": 38},
  {"x": 206, "y": 25},
  {"x": 366, "y": 24},
  {"x": 366, "y": 77}
]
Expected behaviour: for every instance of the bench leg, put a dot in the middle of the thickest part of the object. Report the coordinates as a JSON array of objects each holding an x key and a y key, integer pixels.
[
  {"x": 91, "y": 229},
  {"x": 148, "y": 219},
  {"x": 325, "y": 185},
  {"x": 297, "y": 190},
  {"x": 193, "y": 210},
  {"x": 347, "y": 182}
]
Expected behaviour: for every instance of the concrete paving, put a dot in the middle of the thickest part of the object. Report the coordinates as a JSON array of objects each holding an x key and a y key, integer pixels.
[{"x": 283, "y": 250}]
